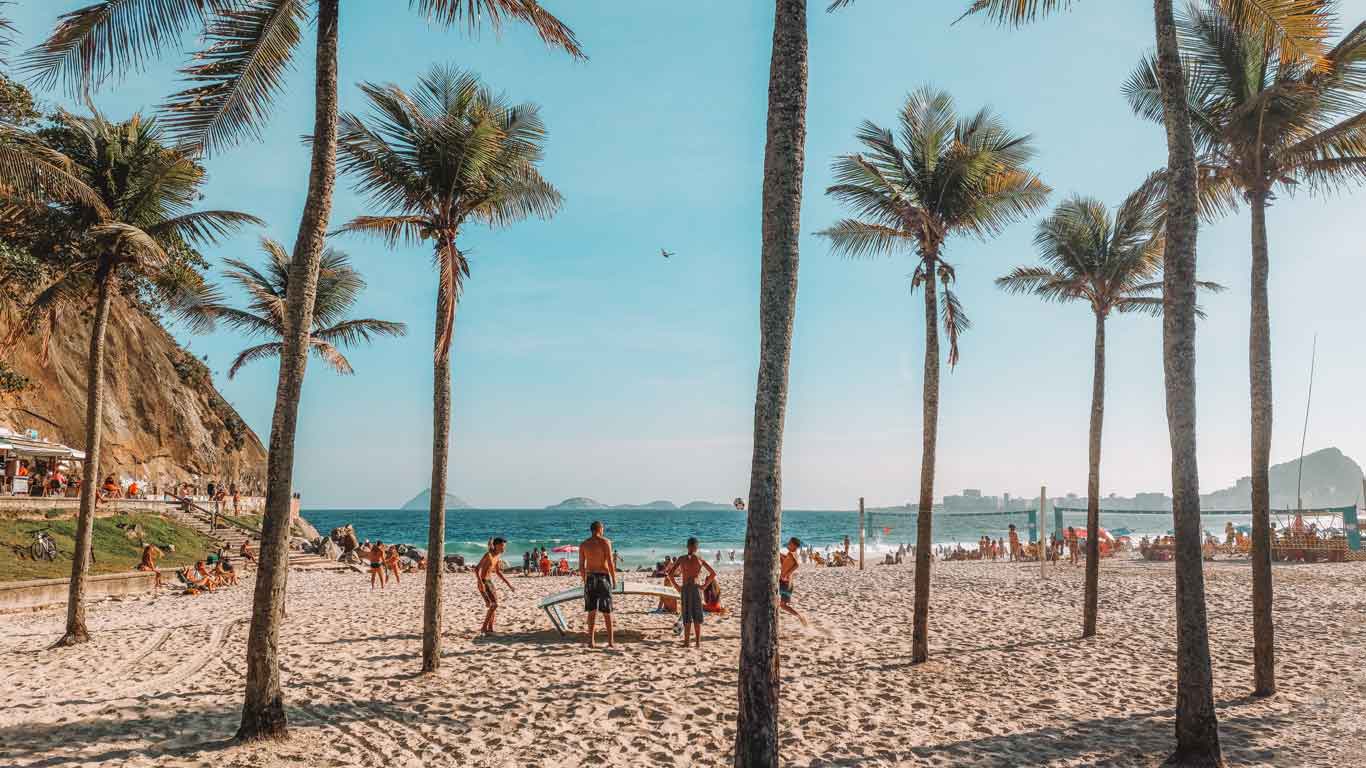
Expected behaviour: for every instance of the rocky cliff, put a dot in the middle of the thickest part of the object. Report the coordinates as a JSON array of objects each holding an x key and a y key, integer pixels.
[{"x": 163, "y": 419}]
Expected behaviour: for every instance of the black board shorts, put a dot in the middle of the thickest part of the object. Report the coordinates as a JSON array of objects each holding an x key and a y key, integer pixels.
[
  {"x": 692, "y": 603},
  {"x": 597, "y": 593}
]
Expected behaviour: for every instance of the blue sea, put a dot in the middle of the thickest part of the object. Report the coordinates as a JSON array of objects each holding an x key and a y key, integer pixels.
[{"x": 644, "y": 537}]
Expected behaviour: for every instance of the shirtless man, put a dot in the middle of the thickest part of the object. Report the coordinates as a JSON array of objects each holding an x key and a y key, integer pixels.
[
  {"x": 489, "y": 565},
  {"x": 1014, "y": 544},
  {"x": 374, "y": 555},
  {"x": 787, "y": 568},
  {"x": 691, "y": 566},
  {"x": 150, "y": 553},
  {"x": 598, "y": 570}
]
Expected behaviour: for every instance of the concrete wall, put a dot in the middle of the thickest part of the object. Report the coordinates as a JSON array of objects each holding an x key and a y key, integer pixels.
[
  {"x": 32, "y": 507},
  {"x": 20, "y": 595}
]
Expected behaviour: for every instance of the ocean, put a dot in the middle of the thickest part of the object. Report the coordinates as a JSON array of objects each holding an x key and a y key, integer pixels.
[{"x": 645, "y": 536}]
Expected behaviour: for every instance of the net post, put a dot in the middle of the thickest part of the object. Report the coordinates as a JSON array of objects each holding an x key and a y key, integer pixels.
[
  {"x": 1043, "y": 525},
  {"x": 860, "y": 533}
]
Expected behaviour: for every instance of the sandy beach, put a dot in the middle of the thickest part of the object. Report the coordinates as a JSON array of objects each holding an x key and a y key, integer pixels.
[{"x": 1008, "y": 683}]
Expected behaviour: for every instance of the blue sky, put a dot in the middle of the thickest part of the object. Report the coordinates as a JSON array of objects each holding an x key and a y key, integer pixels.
[{"x": 585, "y": 364}]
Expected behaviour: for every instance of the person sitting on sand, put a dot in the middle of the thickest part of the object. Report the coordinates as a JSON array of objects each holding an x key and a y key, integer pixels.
[
  {"x": 711, "y": 598},
  {"x": 203, "y": 576},
  {"x": 193, "y": 584},
  {"x": 690, "y": 566},
  {"x": 488, "y": 566},
  {"x": 598, "y": 571},
  {"x": 150, "y": 553},
  {"x": 224, "y": 571},
  {"x": 787, "y": 571}
]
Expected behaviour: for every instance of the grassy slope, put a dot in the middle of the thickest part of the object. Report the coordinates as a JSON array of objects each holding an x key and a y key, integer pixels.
[{"x": 114, "y": 551}]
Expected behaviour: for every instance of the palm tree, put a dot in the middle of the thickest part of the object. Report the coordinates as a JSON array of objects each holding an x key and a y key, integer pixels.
[
  {"x": 450, "y": 154},
  {"x": 1264, "y": 119},
  {"x": 339, "y": 286},
  {"x": 939, "y": 175},
  {"x": 1294, "y": 23},
  {"x": 235, "y": 79},
  {"x": 1114, "y": 265},
  {"x": 756, "y": 726},
  {"x": 145, "y": 229}
]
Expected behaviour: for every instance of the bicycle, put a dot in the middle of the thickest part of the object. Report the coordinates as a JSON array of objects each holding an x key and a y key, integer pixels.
[{"x": 43, "y": 547}]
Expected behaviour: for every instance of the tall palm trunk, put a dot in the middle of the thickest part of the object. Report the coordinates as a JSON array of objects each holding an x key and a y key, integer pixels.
[
  {"x": 756, "y": 730},
  {"x": 1259, "y": 358},
  {"x": 1197, "y": 727},
  {"x": 1088, "y": 627},
  {"x": 263, "y": 710},
  {"x": 441, "y": 440},
  {"x": 76, "y": 631},
  {"x": 924, "y": 519}
]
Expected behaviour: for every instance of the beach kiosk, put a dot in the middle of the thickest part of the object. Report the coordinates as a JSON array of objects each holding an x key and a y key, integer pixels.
[{"x": 29, "y": 451}]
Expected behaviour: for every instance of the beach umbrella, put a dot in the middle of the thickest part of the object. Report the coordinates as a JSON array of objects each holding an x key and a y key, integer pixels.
[
  {"x": 565, "y": 548},
  {"x": 1104, "y": 534}
]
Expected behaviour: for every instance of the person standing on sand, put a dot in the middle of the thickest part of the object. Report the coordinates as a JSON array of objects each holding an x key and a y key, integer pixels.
[
  {"x": 691, "y": 566},
  {"x": 526, "y": 563},
  {"x": 375, "y": 555},
  {"x": 787, "y": 571},
  {"x": 489, "y": 565},
  {"x": 1014, "y": 544},
  {"x": 1072, "y": 547},
  {"x": 391, "y": 561},
  {"x": 598, "y": 571}
]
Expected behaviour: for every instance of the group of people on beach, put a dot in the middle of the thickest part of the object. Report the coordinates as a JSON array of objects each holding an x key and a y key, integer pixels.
[
  {"x": 597, "y": 570},
  {"x": 381, "y": 561},
  {"x": 214, "y": 571}
]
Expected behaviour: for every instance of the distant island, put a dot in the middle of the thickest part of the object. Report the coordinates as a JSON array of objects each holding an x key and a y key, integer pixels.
[
  {"x": 584, "y": 502},
  {"x": 424, "y": 501}
]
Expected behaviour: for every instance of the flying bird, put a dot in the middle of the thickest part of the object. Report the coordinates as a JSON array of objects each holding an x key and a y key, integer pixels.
[{"x": 665, "y": 254}]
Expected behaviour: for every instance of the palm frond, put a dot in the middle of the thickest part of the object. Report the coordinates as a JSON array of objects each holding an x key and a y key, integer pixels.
[
  {"x": 204, "y": 227},
  {"x": 111, "y": 38},
  {"x": 352, "y": 332},
  {"x": 956, "y": 322},
  {"x": 251, "y": 354},
  {"x": 331, "y": 355},
  {"x": 450, "y": 12},
  {"x": 237, "y": 77},
  {"x": 36, "y": 174},
  {"x": 860, "y": 239}
]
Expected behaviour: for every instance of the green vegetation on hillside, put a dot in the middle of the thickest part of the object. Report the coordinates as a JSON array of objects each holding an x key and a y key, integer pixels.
[{"x": 114, "y": 551}]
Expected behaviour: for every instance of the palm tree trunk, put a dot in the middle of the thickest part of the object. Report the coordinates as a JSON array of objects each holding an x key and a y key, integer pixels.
[
  {"x": 76, "y": 631},
  {"x": 263, "y": 709},
  {"x": 1088, "y": 628},
  {"x": 924, "y": 519},
  {"x": 441, "y": 440},
  {"x": 1259, "y": 356},
  {"x": 756, "y": 729},
  {"x": 1197, "y": 727}
]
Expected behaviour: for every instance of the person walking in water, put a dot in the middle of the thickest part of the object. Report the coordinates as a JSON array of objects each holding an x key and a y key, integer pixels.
[
  {"x": 691, "y": 566},
  {"x": 489, "y": 565},
  {"x": 787, "y": 571},
  {"x": 598, "y": 570}
]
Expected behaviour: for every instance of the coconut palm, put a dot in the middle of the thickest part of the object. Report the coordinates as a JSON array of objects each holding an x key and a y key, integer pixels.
[
  {"x": 450, "y": 154},
  {"x": 756, "y": 726},
  {"x": 1115, "y": 266},
  {"x": 145, "y": 230},
  {"x": 1301, "y": 30},
  {"x": 233, "y": 84},
  {"x": 939, "y": 175},
  {"x": 339, "y": 286},
  {"x": 1265, "y": 120}
]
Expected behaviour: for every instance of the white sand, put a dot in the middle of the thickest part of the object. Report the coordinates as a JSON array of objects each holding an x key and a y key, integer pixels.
[{"x": 1008, "y": 683}]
